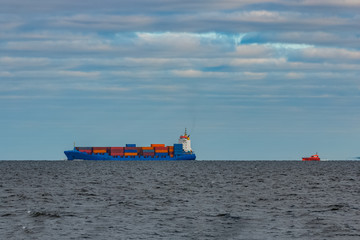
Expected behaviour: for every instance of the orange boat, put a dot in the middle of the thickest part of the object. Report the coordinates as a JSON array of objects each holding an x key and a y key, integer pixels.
[{"x": 312, "y": 158}]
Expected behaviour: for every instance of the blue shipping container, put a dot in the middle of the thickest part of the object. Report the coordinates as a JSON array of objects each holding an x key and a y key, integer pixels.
[
  {"x": 130, "y": 145},
  {"x": 148, "y": 150},
  {"x": 130, "y": 151}
]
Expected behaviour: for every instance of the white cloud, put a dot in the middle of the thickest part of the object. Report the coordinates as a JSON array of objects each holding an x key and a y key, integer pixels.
[
  {"x": 252, "y": 61},
  {"x": 189, "y": 73},
  {"x": 294, "y": 75},
  {"x": 331, "y": 54},
  {"x": 90, "y": 45},
  {"x": 255, "y": 75},
  {"x": 5, "y": 74},
  {"x": 80, "y": 74},
  {"x": 18, "y": 62},
  {"x": 343, "y": 3}
]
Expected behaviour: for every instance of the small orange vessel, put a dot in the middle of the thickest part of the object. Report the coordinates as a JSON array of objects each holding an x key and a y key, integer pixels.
[{"x": 312, "y": 158}]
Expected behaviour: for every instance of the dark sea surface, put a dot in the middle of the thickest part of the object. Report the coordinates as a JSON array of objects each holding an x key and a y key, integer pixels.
[{"x": 180, "y": 200}]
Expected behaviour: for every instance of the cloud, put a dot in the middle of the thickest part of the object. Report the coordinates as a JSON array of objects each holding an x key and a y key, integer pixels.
[
  {"x": 191, "y": 73},
  {"x": 254, "y": 75},
  {"x": 294, "y": 75},
  {"x": 344, "y": 3},
  {"x": 331, "y": 54},
  {"x": 23, "y": 62},
  {"x": 102, "y": 22},
  {"x": 317, "y": 38},
  {"x": 5, "y": 74},
  {"x": 80, "y": 74},
  {"x": 154, "y": 44}
]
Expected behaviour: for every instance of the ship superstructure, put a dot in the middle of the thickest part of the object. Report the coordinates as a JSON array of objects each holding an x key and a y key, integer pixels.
[{"x": 186, "y": 142}]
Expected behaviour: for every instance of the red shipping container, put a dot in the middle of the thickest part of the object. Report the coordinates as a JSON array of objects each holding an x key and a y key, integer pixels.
[
  {"x": 151, "y": 154},
  {"x": 117, "y": 148},
  {"x": 117, "y": 154},
  {"x": 130, "y": 148},
  {"x": 161, "y": 148},
  {"x": 85, "y": 151}
]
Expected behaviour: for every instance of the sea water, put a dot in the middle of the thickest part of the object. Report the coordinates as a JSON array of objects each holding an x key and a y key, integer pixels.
[{"x": 179, "y": 200}]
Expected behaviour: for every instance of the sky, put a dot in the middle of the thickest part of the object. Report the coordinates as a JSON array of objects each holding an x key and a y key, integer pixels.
[{"x": 250, "y": 80}]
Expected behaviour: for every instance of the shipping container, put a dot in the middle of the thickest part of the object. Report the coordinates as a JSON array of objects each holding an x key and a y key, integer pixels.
[
  {"x": 117, "y": 154},
  {"x": 116, "y": 148},
  {"x": 161, "y": 154},
  {"x": 158, "y": 145},
  {"x": 83, "y": 148},
  {"x": 130, "y": 148},
  {"x": 139, "y": 150},
  {"x": 149, "y": 155},
  {"x": 147, "y": 148},
  {"x": 161, "y": 148},
  {"x": 130, "y": 145},
  {"x": 161, "y": 151},
  {"x": 99, "y": 151},
  {"x": 85, "y": 151},
  {"x": 130, "y": 151},
  {"x": 130, "y": 154},
  {"x": 113, "y": 150}
]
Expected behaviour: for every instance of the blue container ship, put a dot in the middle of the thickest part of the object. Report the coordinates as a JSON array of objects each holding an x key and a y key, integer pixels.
[{"x": 130, "y": 152}]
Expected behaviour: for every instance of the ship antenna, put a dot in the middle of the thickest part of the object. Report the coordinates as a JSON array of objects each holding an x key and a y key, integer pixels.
[
  {"x": 185, "y": 131},
  {"x": 74, "y": 143}
]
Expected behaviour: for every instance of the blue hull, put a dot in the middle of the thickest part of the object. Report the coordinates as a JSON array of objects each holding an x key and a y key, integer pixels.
[{"x": 76, "y": 155}]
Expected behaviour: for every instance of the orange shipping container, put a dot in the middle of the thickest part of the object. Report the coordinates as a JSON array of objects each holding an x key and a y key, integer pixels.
[
  {"x": 161, "y": 151},
  {"x": 158, "y": 145},
  {"x": 147, "y": 148},
  {"x": 130, "y": 154},
  {"x": 99, "y": 151}
]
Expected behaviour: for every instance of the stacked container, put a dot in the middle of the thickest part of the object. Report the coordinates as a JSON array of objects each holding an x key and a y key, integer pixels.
[
  {"x": 178, "y": 149},
  {"x": 171, "y": 151},
  {"x": 161, "y": 151},
  {"x": 148, "y": 151},
  {"x": 117, "y": 151},
  {"x": 156, "y": 150},
  {"x": 131, "y": 150}
]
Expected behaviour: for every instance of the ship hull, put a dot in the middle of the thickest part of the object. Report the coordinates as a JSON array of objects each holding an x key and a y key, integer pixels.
[
  {"x": 77, "y": 155},
  {"x": 311, "y": 159}
]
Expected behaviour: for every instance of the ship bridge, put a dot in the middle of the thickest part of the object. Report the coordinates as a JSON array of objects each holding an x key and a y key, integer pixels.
[{"x": 186, "y": 142}]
